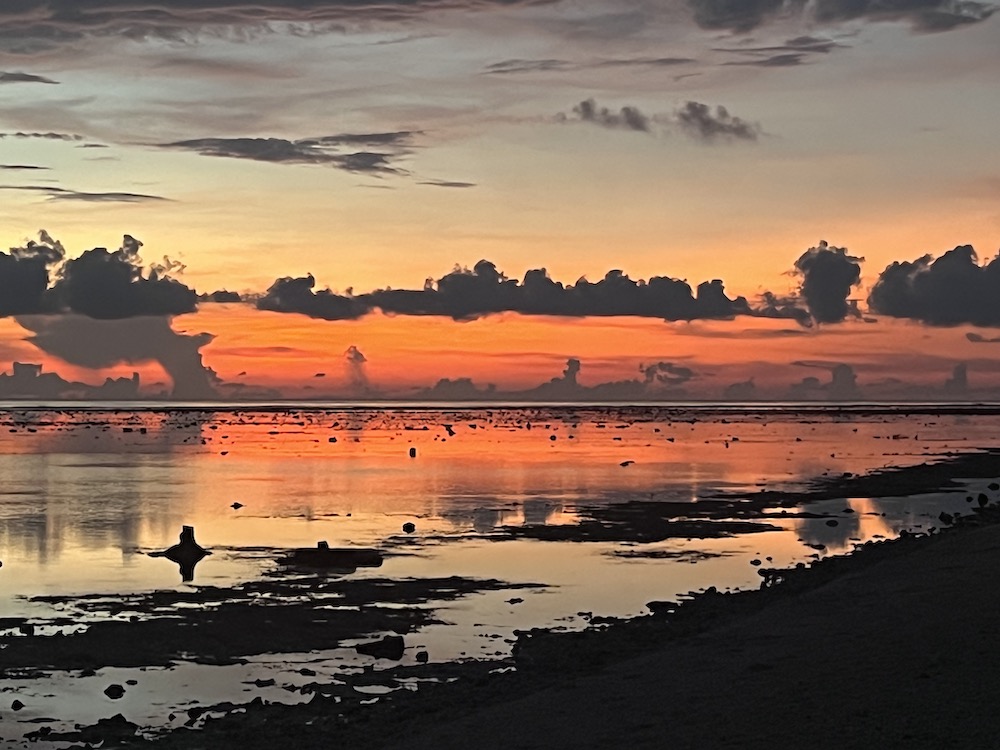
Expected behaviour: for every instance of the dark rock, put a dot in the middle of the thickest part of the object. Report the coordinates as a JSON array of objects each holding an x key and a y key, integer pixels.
[
  {"x": 186, "y": 553},
  {"x": 422, "y": 657},
  {"x": 236, "y": 505},
  {"x": 327, "y": 558},
  {"x": 16, "y": 705},
  {"x": 114, "y": 692},
  {"x": 413, "y": 452},
  {"x": 833, "y": 522},
  {"x": 409, "y": 527},
  {"x": 390, "y": 647}
]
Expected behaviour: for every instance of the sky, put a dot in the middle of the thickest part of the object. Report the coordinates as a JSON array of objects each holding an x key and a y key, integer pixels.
[{"x": 543, "y": 177}]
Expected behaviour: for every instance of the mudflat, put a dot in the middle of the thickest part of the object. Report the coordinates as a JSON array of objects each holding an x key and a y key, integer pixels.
[{"x": 900, "y": 652}]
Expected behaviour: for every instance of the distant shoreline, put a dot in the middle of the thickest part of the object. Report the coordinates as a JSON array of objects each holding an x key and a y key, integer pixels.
[{"x": 858, "y": 408}]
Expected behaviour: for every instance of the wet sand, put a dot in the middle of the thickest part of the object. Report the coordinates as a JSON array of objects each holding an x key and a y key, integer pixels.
[
  {"x": 901, "y": 652},
  {"x": 894, "y": 646}
]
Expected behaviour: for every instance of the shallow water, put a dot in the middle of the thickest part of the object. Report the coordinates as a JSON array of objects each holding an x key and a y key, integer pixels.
[{"x": 88, "y": 493}]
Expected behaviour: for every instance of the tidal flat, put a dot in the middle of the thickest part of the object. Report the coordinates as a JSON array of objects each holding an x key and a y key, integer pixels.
[{"x": 479, "y": 526}]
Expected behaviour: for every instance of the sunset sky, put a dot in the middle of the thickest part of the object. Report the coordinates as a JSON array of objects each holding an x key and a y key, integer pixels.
[{"x": 377, "y": 145}]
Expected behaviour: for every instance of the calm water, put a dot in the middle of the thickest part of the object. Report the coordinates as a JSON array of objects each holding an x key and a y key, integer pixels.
[{"x": 86, "y": 494}]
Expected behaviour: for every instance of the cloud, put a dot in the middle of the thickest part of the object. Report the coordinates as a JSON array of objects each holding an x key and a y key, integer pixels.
[
  {"x": 976, "y": 338},
  {"x": 24, "y": 276},
  {"x": 56, "y": 194},
  {"x": 828, "y": 275},
  {"x": 86, "y": 342},
  {"x": 698, "y": 121},
  {"x": 548, "y": 65},
  {"x": 950, "y": 290},
  {"x": 842, "y": 386},
  {"x": 325, "y": 150},
  {"x": 357, "y": 376},
  {"x": 466, "y": 294},
  {"x": 626, "y": 118},
  {"x": 44, "y": 136},
  {"x": 221, "y": 295},
  {"x": 32, "y": 26},
  {"x": 517, "y": 65},
  {"x": 447, "y": 183},
  {"x": 98, "y": 283},
  {"x": 783, "y": 60},
  {"x": 110, "y": 285},
  {"x": 296, "y": 295},
  {"x": 24, "y": 78},
  {"x": 922, "y": 15}
]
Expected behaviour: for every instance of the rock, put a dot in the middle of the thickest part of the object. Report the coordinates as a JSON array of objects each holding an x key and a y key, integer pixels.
[
  {"x": 16, "y": 705},
  {"x": 323, "y": 556},
  {"x": 946, "y": 518},
  {"x": 409, "y": 527},
  {"x": 236, "y": 505},
  {"x": 422, "y": 657},
  {"x": 993, "y": 486},
  {"x": 114, "y": 692},
  {"x": 626, "y": 463},
  {"x": 983, "y": 500},
  {"x": 390, "y": 647},
  {"x": 187, "y": 553},
  {"x": 833, "y": 522},
  {"x": 413, "y": 452}
]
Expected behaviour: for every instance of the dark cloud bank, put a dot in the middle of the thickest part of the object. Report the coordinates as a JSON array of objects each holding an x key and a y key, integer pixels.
[
  {"x": 465, "y": 294},
  {"x": 102, "y": 309},
  {"x": 951, "y": 290}
]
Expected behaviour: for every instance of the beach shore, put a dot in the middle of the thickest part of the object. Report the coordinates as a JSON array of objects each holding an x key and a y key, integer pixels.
[{"x": 894, "y": 646}]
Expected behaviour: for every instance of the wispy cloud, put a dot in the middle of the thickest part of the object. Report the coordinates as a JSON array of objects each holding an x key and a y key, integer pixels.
[
  {"x": 24, "y": 78},
  {"x": 519, "y": 65},
  {"x": 57, "y": 194},
  {"x": 44, "y": 136},
  {"x": 333, "y": 150},
  {"x": 447, "y": 183}
]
